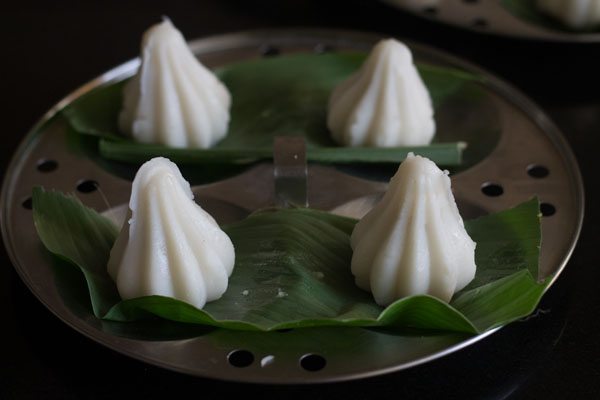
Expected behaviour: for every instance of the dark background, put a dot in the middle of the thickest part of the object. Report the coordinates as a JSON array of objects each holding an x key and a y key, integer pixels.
[{"x": 50, "y": 49}]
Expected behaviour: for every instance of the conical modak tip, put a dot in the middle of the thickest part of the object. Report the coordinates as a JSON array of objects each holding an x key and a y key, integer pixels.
[
  {"x": 169, "y": 246},
  {"x": 413, "y": 242},
  {"x": 384, "y": 104},
  {"x": 173, "y": 99},
  {"x": 162, "y": 34}
]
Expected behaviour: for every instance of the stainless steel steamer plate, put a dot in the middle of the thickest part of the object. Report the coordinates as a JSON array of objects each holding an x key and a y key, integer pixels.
[
  {"x": 488, "y": 16},
  {"x": 530, "y": 158}
]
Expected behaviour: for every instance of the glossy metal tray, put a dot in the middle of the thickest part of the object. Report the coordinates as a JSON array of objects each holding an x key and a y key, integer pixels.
[
  {"x": 519, "y": 154},
  {"x": 488, "y": 16}
]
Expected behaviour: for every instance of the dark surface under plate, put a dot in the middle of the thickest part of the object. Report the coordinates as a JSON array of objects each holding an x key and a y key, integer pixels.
[{"x": 53, "y": 49}]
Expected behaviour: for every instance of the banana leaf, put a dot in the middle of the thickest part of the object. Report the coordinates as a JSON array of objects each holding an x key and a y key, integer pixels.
[
  {"x": 293, "y": 270},
  {"x": 279, "y": 96}
]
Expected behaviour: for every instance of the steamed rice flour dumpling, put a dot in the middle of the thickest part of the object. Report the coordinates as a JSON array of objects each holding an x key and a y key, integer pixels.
[
  {"x": 173, "y": 99},
  {"x": 169, "y": 246},
  {"x": 576, "y": 14},
  {"x": 384, "y": 104},
  {"x": 413, "y": 241}
]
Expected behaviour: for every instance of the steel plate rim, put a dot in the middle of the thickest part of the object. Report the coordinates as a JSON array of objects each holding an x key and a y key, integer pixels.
[{"x": 105, "y": 339}]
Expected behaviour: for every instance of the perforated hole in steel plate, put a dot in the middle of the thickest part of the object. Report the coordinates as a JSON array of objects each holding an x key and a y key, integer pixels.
[
  {"x": 240, "y": 358},
  {"x": 313, "y": 362},
  {"x": 45, "y": 165}
]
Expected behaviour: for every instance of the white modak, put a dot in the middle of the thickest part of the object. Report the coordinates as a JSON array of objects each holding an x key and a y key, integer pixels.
[
  {"x": 169, "y": 246},
  {"x": 384, "y": 104},
  {"x": 577, "y": 14},
  {"x": 173, "y": 99},
  {"x": 413, "y": 241}
]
